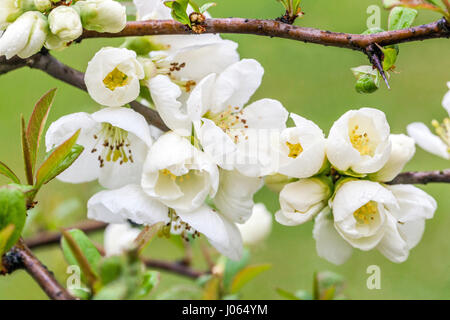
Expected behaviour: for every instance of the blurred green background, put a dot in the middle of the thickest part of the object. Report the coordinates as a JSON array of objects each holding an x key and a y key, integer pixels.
[{"x": 311, "y": 80}]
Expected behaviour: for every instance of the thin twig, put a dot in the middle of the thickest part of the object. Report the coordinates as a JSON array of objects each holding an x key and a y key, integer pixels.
[
  {"x": 273, "y": 28},
  {"x": 20, "y": 257},
  {"x": 53, "y": 67},
  {"x": 425, "y": 177}
]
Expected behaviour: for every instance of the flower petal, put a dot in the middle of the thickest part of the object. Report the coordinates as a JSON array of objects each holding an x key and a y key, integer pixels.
[
  {"x": 427, "y": 140},
  {"x": 127, "y": 203},
  {"x": 119, "y": 238},
  {"x": 258, "y": 227},
  {"x": 236, "y": 84},
  {"x": 236, "y": 203},
  {"x": 329, "y": 244},
  {"x": 265, "y": 114},
  {"x": 165, "y": 95},
  {"x": 221, "y": 233},
  {"x": 392, "y": 246},
  {"x": 86, "y": 168}
]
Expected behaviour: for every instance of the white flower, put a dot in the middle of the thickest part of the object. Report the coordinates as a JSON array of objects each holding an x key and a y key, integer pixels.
[
  {"x": 300, "y": 201},
  {"x": 112, "y": 77},
  {"x": 236, "y": 203},
  {"x": 116, "y": 142},
  {"x": 368, "y": 215},
  {"x": 118, "y": 238},
  {"x": 403, "y": 149},
  {"x": 258, "y": 227},
  {"x": 359, "y": 141},
  {"x": 178, "y": 174},
  {"x": 65, "y": 23},
  {"x": 439, "y": 144},
  {"x": 234, "y": 136},
  {"x": 10, "y": 10},
  {"x": 301, "y": 149},
  {"x": 25, "y": 36},
  {"x": 132, "y": 203},
  {"x": 329, "y": 244},
  {"x": 102, "y": 15},
  {"x": 362, "y": 211}
]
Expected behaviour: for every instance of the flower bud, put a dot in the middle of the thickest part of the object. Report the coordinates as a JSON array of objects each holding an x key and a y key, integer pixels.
[
  {"x": 65, "y": 23},
  {"x": 258, "y": 227},
  {"x": 43, "y": 5},
  {"x": 366, "y": 84},
  {"x": 300, "y": 201},
  {"x": 10, "y": 10},
  {"x": 25, "y": 36},
  {"x": 102, "y": 15}
]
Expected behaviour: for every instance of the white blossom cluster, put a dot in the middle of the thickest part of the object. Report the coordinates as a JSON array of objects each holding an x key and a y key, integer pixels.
[
  {"x": 29, "y": 25},
  {"x": 200, "y": 177}
]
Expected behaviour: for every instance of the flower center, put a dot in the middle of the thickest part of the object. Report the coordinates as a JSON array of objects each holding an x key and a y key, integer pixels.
[
  {"x": 443, "y": 131},
  {"x": 294, "y": 149},
  {"x": 229, "y": 120},
  {"x": 160, "y": 66},
  {"x": 115, "y": 145},
  {"x": 115, "y": 79},
  {"x": 360, "y": 141},
  {"x": 167, "y": 172},
  {"x": 366, "y": 213}
]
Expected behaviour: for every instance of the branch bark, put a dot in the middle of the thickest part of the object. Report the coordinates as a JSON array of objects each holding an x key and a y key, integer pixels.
[
  {"x": 50, "y": 238},
  {"x": 273, "y": 28},
  {"x": 20, "y": 257},
  {"x": 425, "y": 177}
]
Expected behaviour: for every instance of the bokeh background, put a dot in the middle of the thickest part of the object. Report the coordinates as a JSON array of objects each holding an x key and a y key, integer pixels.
[{"x": 311, "y": 80}]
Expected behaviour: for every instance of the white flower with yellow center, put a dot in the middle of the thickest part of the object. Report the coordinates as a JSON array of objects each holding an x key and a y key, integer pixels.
[
  {"x": 112, "y": 77},
  {"x": 118, "y": 238},
  {"x": 236, "y": 203},
  {"x": 116, "y": 142},
  {"x": 236, "y": 137},
  {"x": 258, "y": 227},
  {"x": 300, "y": 201},
  {"x": 25, "y": 36},
  {"x": 358, "y": 142},
  {"x": 178, "y": 174},
  {"x": 439, "y": 143},
  {"x": 132, "y": 203},
  {"x": 403, "y": 149},
  {"x": 367, "y": 215},
  {"x": 301, "y": 149}
]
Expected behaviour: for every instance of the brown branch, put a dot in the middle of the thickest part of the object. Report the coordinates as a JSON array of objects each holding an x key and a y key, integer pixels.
[
  {"x": 51, "y": 238},
  {"x": 20, "y": 257},
  {"x": 424, "y": 177},
  {"x": 50, "y": 65},
  {"x": 272, "y": 28}
]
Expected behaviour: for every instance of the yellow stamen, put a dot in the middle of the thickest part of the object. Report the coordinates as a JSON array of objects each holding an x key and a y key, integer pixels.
[
  {"x": 294, "y": 149},
  {"x": 366, "y": 213},
  {"x": 115, "y": 79},
  {"x": 360, "y": 141}
]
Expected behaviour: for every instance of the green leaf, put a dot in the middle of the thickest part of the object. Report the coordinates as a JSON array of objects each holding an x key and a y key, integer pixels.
[
  {"x": 206, "y": 6},
  {"x": 59, "y": 160},
  {"x": 110, "y": 269},
  {"x": 26, "y": 153},
  {"x": 211, "y": 290},
  {"x": 328, "y": 293},
  {"x": 194, "y": 6},
  {"x": 147, "y": 235},
  {"x": 114, "y": 291},
  {"x": 79, "y": 250},
  {"x": 7, "y": 172},
  {"x": 233, "y": 267},
  {"x": 179, "y": 11},
  {"x": 286, "y": 294},
  {"x": 247, "y": 274},
  {"x": 13, "y": 211},
  {"x": 37, "y": 123},
  {"x": 5, "y": 235},
  {"x": 150, "y": 281},
  {"x": 401, "y": 18},
  {"x": 390, "y": 57}
]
